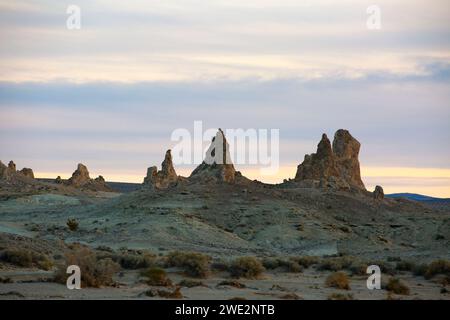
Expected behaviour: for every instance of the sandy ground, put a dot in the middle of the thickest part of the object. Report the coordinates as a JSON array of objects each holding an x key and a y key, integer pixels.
[{"x": 306, "y": 285}]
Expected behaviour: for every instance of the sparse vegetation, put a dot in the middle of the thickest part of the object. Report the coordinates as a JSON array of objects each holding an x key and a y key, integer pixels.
[
  {"x": 95, "y": 272},
  {"x": 156, "y": 277},
  {"x": 232, "y": 283},
  {"x": 175, "y": 294},
  {"x": 194, "y": 264},
  {"x": 247, "y": 267},
  {"x": 134, "y": 259},
  {"x": 338, "y": 280},
  {"x": 26, "y": 258},
  {"x": 340, "y": 296},
  {"x": 72, "y": 224},
  {"x": 397, "y": 286},
  {"x": 437, "y": 267},
  {"x": 191, "y": 283}
]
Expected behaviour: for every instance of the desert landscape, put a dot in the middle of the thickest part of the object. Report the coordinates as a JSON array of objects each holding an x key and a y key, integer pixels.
[{"x": 219, "y": 235}]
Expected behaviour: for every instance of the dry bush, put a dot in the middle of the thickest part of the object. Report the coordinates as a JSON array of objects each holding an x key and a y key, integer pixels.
[
  {"x": 290, "y": 265},
  {"x": 26, "y": 258},
  {"x": 156, "y": 277},
  {"x": 134, "y": 259},
  {"x": 17, "y": 257},
  {"x": 290, "y": 296},
  {"x": 340, "y": 296},
  {"x": 95, "y": 272},
  {"x": 307, "y": 261},
  {"x": 437, "y": 267},
  {"x": 232, "y": 283},
  {"x": 338, "y": 280},
  {"x": 336, "y": 263},
  {"x": 175, "y": 294},
  {"x": 397, "y": 286},
  {"x": 271, "y": 263},
  {"x": 247, "y": 267},
  {"x": 194, "y": 264},
  {"x": 190, "y": 283},
  {"x": 72, "y": 224}
]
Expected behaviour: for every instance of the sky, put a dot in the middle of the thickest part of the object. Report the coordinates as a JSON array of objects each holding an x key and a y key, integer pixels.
[{"x": 111, "y": 93}]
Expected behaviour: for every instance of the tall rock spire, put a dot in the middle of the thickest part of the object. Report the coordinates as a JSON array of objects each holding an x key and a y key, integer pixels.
[
  {"x": 217, "y": 164},
  {"x": 164, "y": 178}
]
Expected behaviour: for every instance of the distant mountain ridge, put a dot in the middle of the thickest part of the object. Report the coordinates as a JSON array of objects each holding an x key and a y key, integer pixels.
[{"x": 416, "y": 197}]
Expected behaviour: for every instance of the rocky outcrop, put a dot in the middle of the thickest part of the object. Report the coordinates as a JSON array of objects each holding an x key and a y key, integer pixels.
[
  {"x": 217, "y": 165},
  {"x": 319, "y": 165},
  {"x": 346, "y": 154},
  {"x": 80, "y": 176},
  {"x": 12, "y": 166},
  {"x": 58, "y": 180},
  {"x": 4, "y": 173},
  {"x": 10, "y": 173},
  {"x": 27, "y": 172},
  {"x": 80, "y": 179},
  {"x": 378, "y": 193},
  {"x": 166, "y": 177},
  {"x": 334, "y": 166}
]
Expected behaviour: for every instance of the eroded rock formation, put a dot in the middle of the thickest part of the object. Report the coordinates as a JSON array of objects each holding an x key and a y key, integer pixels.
[
  {"x": 334, "y": 166},
  {"x": 27, "y": 172},
  {"x": 217, "y": 165},
  {"x": 378, "y": 193},
  {"x": 166, "y": 177},
  {"x": 80, "y": 179}
]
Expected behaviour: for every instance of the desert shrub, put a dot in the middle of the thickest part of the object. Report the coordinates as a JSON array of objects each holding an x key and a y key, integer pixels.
[
  {"x": 42, "y": 261},
  {"x": 134, "y": 260},
  {"x": 232, "y": 283},
  {"x": 306, "y": 261},
  {"x": 340, "y": 296},
  {"x": 336, "y": 263},
  {"x": 26, "y": 258},
  {"x": 72, "y": 224},
  {"x": 437, "y": 267},
  {"x": 290, "y": 296},
  {"x": 385, "y": 267},
  {"x": 397, "y": 286},
  {"x": 156, "y": 277},
  {"x": 358, "y": 268},
  {"x": 175, "y": 294},
  {"x": 271, "y": 263},
  {"x": 338, "y": 280},
  {"x": 190, "y": 283},
  {"x": 18, "y": 257},
  {"x": 95, "y": 272},
  {"x": 404, "y": 266},
  {"x": 291, "y": 265},
  {"x": 247, "y": 267},
  {"x": 194, "y": 264}
]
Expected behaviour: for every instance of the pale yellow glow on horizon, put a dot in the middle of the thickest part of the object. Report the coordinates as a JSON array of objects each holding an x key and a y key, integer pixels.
[{"x": 420, "y": 180}]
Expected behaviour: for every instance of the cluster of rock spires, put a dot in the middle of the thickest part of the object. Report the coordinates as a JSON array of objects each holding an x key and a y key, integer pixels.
[
  {"x": 216, "y": 167},
  {"x": 80, "y": 178},
  {"x": 335, "y": 166},
  {"x": 164, "y": 178},
  {"x": 9, "y": 172}
]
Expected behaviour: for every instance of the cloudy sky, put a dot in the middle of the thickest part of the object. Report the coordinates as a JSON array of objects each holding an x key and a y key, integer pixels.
[{"x": 111, "y": 93}]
